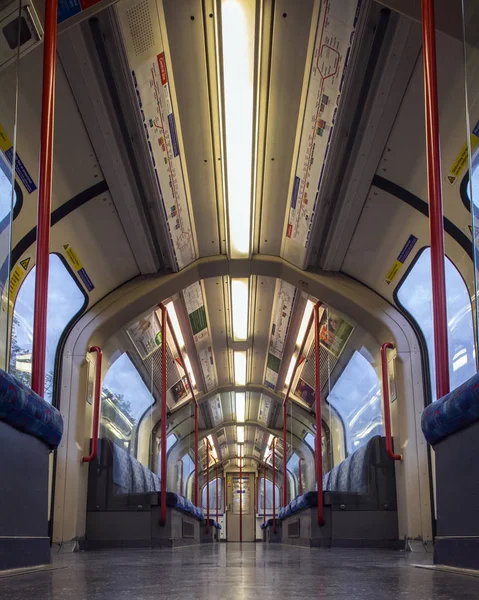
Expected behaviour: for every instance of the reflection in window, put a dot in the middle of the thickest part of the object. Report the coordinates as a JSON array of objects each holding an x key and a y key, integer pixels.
[
  {"x": 5, "y": 189},
  {"x": 170, "y": 442},
  {"x": 309, "y": 439},
  {"x": 357, "y": 398},
  {"x": 65, "y": 300},
  {"x": 269, "y": 495},
  {"x": 293, "y": 468},
  {"x": 216, "y": 482},
  {"x": 415, "y": 295},
  {"x": 125, "y": 398},
  {"x": 188, "y": 470}
]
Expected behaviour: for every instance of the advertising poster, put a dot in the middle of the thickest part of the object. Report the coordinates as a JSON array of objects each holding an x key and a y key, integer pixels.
[
  {"x": 146, "y": 335},
  {"x": 334, "y": 332},
  {"x": 305, "y": 392}
]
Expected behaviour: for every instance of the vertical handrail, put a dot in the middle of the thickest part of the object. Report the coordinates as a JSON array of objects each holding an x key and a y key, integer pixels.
[
  {"x": 193, "y": 397},
  {"x": 163, "y": 447},
  {"x": 207, "y": 485},
  {"x": 387, "y": 412},
  {"x": 264, "y": 492},
  {"x": 241, "y": 498},
  {"x": 274, "y": 481},
  {"x": 434, "y": 193},
  {"x": 299, "y": 361},
  {"x": 318, "y": 440},
  {"x": 217, "y": 493},
  {"x": 44, "y": 199},
  {"x": 96, "y": 405},
  {"x": 300, "y": 477}
]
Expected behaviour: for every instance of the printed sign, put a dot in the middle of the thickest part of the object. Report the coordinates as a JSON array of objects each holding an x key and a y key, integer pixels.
[
  {"x": 78, "y": 267},
  {"x": 305, "y": 392},
  {"x": 16, "y": 277},
  {"x": 146, "y": 335},
  {"x": 401, "y": 259},
  {"x": 70, "y": 8},
  {"x": 462, "y": 159},
  {"x": 6, "y": 146},
  {"x": 334, "y": 332}
]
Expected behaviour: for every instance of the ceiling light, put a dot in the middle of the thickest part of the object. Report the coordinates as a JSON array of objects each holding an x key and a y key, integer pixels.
[
  {"x": 240, "y": 367},
  {"x": 239, "y": 302},
  {"x": 308, "y": 309},
  {"x": 240, "y": 450},
  {"x": 238, "y": 35},
  {"x": 289, "y": 374},
  {"x": 240, "y": 435},
  {"x": 190, "y": 370},
  {"x": 270, "y": 440},
  {"x": 240, "y": 407},
  {"x": 170, "y": 307}
]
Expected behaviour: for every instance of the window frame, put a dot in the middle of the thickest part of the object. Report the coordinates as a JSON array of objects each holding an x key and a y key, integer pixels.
[
  {"x": 6, "y": 167},
  {"x": 426, "y": 367},
  {"x": 65, "y": 333}
]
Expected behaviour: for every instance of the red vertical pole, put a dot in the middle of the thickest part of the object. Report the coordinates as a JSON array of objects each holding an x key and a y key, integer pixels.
[
  {"x": 274, "y": 487},
  {"x": 163, "y": 417},
  {"x": 217, "y": 493},
  {"x": 196, "y": 453},
  {"x": 44, "y": 199},
  {"x": 241, "y": 498},
  {"x": 318, "y": 442},
  {"x": 434, "y": 193},
  {"x": 207, "y": 485},
  {"x": 264, "y": 493},
  {"x": 300, "y": 477},
  {"x": 285, "y": 474}
]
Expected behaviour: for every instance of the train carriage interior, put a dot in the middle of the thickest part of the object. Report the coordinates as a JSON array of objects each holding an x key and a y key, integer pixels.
[{"x": 239, "y": 313}]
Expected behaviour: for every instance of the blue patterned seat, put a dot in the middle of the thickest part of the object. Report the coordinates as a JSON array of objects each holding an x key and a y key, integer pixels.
[
  {"x": 453, "y": 412},
  {"x": 21, "y": 408}
]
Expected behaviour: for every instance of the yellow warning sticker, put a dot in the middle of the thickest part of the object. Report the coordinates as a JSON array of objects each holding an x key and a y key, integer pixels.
[
  {"x": 16, "y": 277},
  {"x": 72, "y": 257},
  {"x": 394, "y": 270},
  {"x": 462, "y": 159},
  {"x": 5, "y": 143}
]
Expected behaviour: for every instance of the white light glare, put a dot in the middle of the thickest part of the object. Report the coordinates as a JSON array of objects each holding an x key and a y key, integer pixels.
[
  {"x": 170, "y": 308},
  {"x": 239, "y": 302},
  {"x": 238, "y": 28},
  {"x": 304, "y": 323},
  {"x": 289, "y": 374},
  {"x": 240, "y": 450},
  {"x": 240, "y": 435},
  {"x": 189, "y": 370},
  {"x": 270, "y": 440},
  {"x": 240, "y": 367},
  {"x": 240, "y": 407}
]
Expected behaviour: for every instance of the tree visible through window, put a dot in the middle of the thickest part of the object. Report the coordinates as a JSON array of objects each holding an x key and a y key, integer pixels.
[
  {"x": 65, "y": 300},
  {"x": 415, "y": 295}
]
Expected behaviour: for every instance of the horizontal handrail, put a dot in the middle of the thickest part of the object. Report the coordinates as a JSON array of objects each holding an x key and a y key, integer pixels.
[
  {"x": 96, "y": 406},
  {"x": 387, "y": 412}
]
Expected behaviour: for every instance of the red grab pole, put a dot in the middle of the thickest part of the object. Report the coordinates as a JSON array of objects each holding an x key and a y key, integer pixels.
[
  {"x": 274, "y": 489},
  {"x": 285, "y": 462},
  {"x": 197, "y": 459},
  {"x": 264, "y": 492},
  {"x": 434, "y": 193},
  {"x": 207, "y": 485},
  {"x": 300, "y": 477},
  {"x": 44, "y": 199},
  {"x": 387, "y": 412},
  {"x": 318, "y": 442},
  {"x": 163, "y": 416},
  {"x": 96, "y": 406},
  {"x": 217, "y": 493},
  {"x": 241, "y": 498}
]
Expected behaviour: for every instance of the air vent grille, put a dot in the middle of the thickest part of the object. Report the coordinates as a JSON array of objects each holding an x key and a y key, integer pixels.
[
  {"x": 141, "y": 27},
  {"x": 308, "y": 370}
]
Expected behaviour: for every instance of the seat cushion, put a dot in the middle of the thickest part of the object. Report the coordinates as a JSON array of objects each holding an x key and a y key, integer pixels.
[
  {"x": 453, "y": 412},
  {"x": 185, "y": 505},
  {"x": 21, "y": 408}
]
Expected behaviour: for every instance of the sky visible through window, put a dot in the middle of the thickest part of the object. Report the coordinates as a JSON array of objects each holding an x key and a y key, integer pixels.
[
  {"x": 415, "y": 295},
  {"x": 5, "y": 189},
  {"x": 65, "y": 299}
]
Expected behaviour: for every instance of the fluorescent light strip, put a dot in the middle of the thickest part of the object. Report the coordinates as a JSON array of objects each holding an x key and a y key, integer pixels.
[
  {"x": 240, "y": 367},
  {"x": 189, "y": 370},
  {"x": 308, "y": 309},
  {"x": 289, "y": 374},
  {"x": 240, "y": 435},
  {"x": 239, "y": 308},
  {"x": 170, "y": 308},
  {"x": 238, "y": 35},
  {"x": 240, "y": 407},
  {"x": 240, "y": 450}
]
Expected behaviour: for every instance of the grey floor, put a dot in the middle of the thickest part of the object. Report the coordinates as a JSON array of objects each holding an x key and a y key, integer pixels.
[{"x": 239, "y": 572}]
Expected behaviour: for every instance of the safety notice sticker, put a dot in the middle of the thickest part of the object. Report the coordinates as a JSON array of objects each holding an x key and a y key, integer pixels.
[
  {"x": 6, "y": 146},
  {"x": 401, "y": 259},
  {"x": 462, "y": 158},
  {"x": 76, "y": 264},
  {"x": 17, "y": 275}
]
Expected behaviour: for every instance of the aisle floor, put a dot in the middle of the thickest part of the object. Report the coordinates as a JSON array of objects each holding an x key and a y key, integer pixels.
[{"x": 239, "y": 572}]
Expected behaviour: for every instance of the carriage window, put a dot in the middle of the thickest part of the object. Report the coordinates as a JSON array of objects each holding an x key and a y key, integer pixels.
[
  {"x": 293, "y": 468},
  {"x": 415, "y": 295},
  {"x": 5, "y": 189},
  {"x": 357, "y": 398},
  {"x": 309, "y": 439},
  {"x": 65, "y": 300},
  {"x": 188, "y": 470},
  {"x": 471, "y": 185},
  {"x": 171, "y": 441},
  {"x": 269, "y": 495},
  {"x": 212, "y": 487},
  {"x": 125, "y": 398}
]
